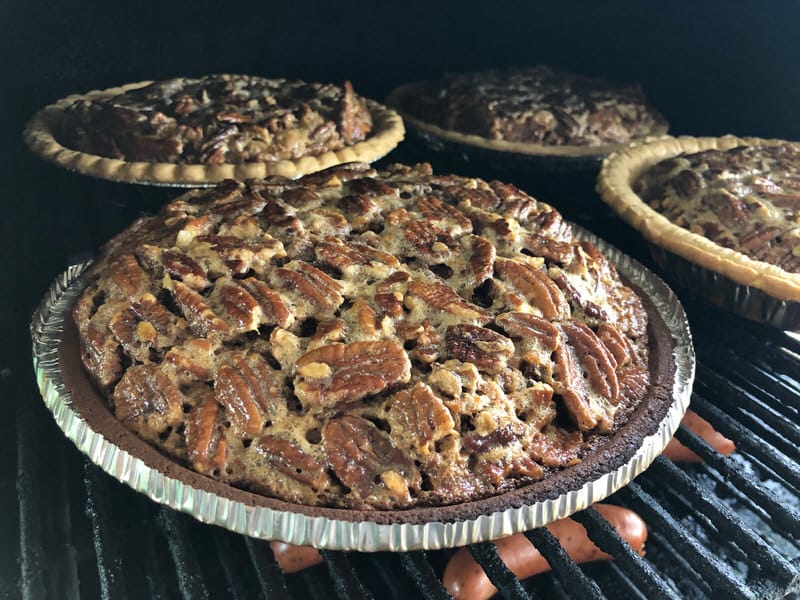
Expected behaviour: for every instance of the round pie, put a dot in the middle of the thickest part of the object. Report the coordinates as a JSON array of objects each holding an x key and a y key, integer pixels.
[
  {"x": 195, "y": 131},
  {"x": 368, "y": 340},
  {"x": 533, "y": 110},
  {"x": 729, "y": 205}
]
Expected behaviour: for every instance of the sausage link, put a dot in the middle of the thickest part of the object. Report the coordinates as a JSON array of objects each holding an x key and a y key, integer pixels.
[
  {"x": 292, "y": 558},
  {"x": 677, "y": 452},
  {"x": 466, "y": 580}
]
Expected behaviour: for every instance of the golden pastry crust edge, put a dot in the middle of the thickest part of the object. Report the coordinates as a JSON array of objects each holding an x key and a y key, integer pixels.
[
  {"x": 40, "y": 136},
  {"x": 396, "y": 99},
  {"x": 614, "y": 184}
]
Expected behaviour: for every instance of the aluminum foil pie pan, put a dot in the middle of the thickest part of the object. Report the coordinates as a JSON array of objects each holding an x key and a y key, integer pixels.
[
  {"x": 743, "y": 300},
  {"x": 209, "y": 501}
]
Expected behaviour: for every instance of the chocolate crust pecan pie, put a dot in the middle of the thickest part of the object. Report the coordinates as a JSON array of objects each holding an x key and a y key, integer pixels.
[
  {"x": 365, "y": 340},
  {"x": 214, "y": 127},
  {"x": 729, "y": 205},
  {"x": 532, "y": 110}
]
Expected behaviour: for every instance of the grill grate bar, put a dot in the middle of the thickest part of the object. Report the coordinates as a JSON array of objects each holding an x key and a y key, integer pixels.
[
  {"x": 344, "y": 576},
  {"x": 379, "y": 564},
  {"x": 429, "y": 585},
  {"x": 726, "y": 521},
  {"x": 30, "y": 524},
  {"x": 748, "y": 404},
  {"x": 270, "y": 576},
  {"x": 752, "y": 425},
  {"x": 747, "y": 399},
  {"x": 317, "y": 583},
  {"x": 745, "y": 440},
  {"x": 716, "y": 573},
  {"x": 607, "y": 539},
  {"x": 223, "y": 542},
  {"x": 98, "y": 509},
  {"x": 499, "y": 574},
  {"x": 189, "y": 573},
  {"x": 786, "y": 517},
  {"x": 571, "y": 577}
]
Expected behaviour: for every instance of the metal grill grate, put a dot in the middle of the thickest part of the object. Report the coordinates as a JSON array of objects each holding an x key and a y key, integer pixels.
[{"x": 727, "y": 527}]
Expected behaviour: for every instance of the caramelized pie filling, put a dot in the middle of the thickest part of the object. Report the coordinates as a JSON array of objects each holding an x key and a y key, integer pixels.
[
  {"x": 218, "y": 119},
  {"x": 746, "y": 198}
]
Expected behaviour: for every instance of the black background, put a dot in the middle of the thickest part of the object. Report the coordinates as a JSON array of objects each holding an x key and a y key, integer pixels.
[{"x": 711, "y": 67}]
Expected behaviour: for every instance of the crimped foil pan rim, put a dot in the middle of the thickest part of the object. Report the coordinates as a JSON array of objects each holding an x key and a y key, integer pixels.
[{"x": 331, "y": 533}]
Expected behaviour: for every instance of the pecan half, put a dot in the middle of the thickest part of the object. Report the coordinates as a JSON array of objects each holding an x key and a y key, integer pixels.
[
  {"x": 312, "y": 286},
  {"x": 242, "y": 312},
  {"x": 249, "y": 391},
  {"x": 147, "y": 398},
  {"x": 206, "y": 445},
  {"x": 420, "y": 416},
  {"x": 274, "y": 311},
  {"x": 174, "y": 263},
  {"x": 288, "y": 458},
  {"x": 556, "y": 447},
  {"x": 486, "y": 349},
  {"x": 446, "y": 216},
  {"x": 338, "y": 373},
  {"x": 537, "y": 288},
  {"x": 202, "y": 320},
  {"x": 365, "y": 460},
  {"x": 129, "y": 277},
  {"x": 548, "y": 248},
  {"x": 345, "y": 255},
  {"x": 599, "y": 363},
  {"x": 526, "y": 325},
  {"x": 444, "y": 299}
]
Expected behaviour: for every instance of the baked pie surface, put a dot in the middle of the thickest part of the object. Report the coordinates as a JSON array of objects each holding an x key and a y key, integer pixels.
[
  {"x": 364, "y": 340},
  {"x": 533, "y": 110},
  {"x": 728, "y": 204},
  {"x": 203, "y": 130}
]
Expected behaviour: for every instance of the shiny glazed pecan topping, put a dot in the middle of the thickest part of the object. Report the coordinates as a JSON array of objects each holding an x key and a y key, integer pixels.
[{"x": 364, "y": 340}]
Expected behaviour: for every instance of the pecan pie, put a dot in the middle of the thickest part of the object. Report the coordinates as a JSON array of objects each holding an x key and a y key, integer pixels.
[
  {"x": 729, "y": 205},
  {"x": 205, "y": 129},
  {"x": 530, "y": 110},
  {"x": 364, "y": 340}
]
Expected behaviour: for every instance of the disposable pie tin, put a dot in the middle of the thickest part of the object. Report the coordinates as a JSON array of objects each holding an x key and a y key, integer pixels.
[{"x": 532, "y": 506}]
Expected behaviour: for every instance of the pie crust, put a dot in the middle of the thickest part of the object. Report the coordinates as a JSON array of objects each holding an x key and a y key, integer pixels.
[
  {"x": 617, "y": 176},
  {"x": 41, "y": 136}
]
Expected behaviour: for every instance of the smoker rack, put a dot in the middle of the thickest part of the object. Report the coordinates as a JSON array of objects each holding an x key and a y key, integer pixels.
[{"x": 729, "y": 527}]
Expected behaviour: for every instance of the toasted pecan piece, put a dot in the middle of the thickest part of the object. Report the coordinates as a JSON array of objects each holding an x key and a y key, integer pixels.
[
  {"x": 174, "y": 263},
  {"x": 202, "y": 320},
  {"x": 274, "y": 310},
  {"x": 339, "y": 373},
  {"x": 288, "y": 458},
  {"x": 599, "y": 363},
  {"x": 205, "y": 443},
  {"x": 249, "y": 391},
  {"x": 444, "y": 215},
  {"x": 556, "y": 447},
  {"x": 145, "y": 324},
  {"x": 486, "y": 349},
  {"x": 346, "y": 255},
  {"x": 310, "y": 284},
  {"x": 365, "y": 460},
  {"x": 534, "y": 284},
  {"x": 193, "y": 361},
  {"x": 444, "y": 299},
  {"x": 128, "y": 275},
  {"x": 146, "y": 397},
  {"x": 420, "y": 416}
]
